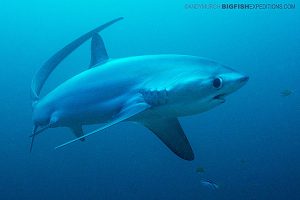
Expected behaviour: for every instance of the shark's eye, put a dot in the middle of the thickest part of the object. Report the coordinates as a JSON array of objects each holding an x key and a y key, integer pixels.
[{"x": 217, "y": 83}]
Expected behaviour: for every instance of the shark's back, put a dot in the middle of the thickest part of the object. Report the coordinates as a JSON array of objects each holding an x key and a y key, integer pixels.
[{"x": 115, "y": 77}]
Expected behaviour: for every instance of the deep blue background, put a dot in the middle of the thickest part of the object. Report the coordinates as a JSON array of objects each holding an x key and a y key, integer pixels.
[{"x": 249, "y": 146}]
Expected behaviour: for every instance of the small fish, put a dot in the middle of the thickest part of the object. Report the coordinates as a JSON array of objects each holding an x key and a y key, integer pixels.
[
  {"x": 200, "y": 169},
  {"x": 285, "y": 93},
  {"x": 208, "y": 184}
]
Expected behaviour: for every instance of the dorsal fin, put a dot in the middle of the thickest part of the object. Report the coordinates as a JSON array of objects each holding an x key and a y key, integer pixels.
[
  {"x": 44, "y": 72},
  {"x": 98, "y": 51}
]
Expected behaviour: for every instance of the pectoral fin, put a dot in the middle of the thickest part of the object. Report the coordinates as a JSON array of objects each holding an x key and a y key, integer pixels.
[
  {"x": 170, "y": 132},
  {"x": 127, "y": 112}
]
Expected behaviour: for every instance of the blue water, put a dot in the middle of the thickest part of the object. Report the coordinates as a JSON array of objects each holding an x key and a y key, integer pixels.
[{"x": 249, "y": 146}]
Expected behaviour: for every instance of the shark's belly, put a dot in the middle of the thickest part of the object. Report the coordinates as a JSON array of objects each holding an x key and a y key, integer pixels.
[
  {"x": 94, "y": 113},
  {"x": 93, "y": 105},
  {"x": 175, "y": 110}
]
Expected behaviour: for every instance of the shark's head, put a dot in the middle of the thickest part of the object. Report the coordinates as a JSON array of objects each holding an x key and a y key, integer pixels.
[
  {"x": 224, "y": 82},
  {"x": 214, "y": 83}
]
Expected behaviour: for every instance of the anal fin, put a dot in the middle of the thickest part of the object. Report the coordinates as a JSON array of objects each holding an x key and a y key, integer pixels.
[
  {"x": 170, "y": 132},
  {"x": 78, "y": 132},
  {"x": 131, "y": 109}
]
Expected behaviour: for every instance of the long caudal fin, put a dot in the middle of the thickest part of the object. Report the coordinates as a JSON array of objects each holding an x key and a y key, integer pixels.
[
  {"x": 44, "y": 72},
  {"x": 33, "y": 137}
]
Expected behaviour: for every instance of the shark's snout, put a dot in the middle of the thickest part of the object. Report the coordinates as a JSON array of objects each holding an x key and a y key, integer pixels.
[
  {"x": 231, "y": 82},
  {"x": 241, "y": 81},
  {"x": 244, "y": 79},
  {"x": 236, "y": 80}
]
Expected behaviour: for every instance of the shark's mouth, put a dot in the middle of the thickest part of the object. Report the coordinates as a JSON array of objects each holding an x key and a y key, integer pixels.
[{"x": 220, "y": 97}]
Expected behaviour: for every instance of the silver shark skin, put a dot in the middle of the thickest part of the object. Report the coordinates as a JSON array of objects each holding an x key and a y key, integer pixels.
[
  {"x": 153, "y": 90},
  {"x": 173, "y": 85}
]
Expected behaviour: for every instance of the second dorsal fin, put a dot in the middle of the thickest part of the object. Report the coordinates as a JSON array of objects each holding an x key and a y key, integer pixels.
[{"x": 98, "y": 51}]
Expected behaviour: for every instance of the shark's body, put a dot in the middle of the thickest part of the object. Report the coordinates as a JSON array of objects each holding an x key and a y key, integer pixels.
[
  {"x": 153, "y": 90},
  {"x": 169, "y": 83}
]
